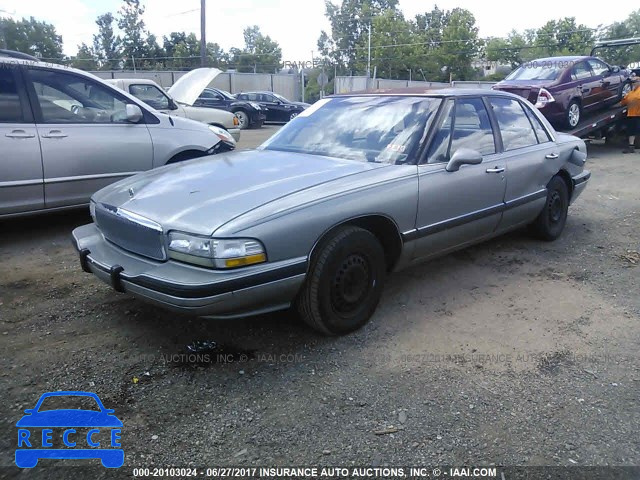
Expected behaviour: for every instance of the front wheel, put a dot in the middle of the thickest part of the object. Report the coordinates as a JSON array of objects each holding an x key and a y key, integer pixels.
[
  {"x": 293, "y": 115},
  {"x": 626, "y": 88},
  {"x": 551, "y": 221},
  {"x": 345, "y": 281}
]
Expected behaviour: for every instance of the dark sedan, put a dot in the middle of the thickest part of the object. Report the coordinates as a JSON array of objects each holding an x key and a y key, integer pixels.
[
  {"x": 250, "y": 114},
  {"x": 562, "y": 88},
  {"x": 278, "y": 108}
]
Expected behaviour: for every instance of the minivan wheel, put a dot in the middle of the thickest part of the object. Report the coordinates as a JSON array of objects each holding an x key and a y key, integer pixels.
[
  {"x": 344, "y": 283},
  {"x": 573, "y": 114},
  {"x": 553, "y": 217},
  {"x": 243, "y": 119}
]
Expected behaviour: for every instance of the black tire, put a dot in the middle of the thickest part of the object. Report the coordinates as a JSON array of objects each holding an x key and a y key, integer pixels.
[
  {"x": 573, "y": 114},
  {"x": 243, "y": 119},
  {"x": 293, "y": 115},
  {"x": 553, "y": 217},
  {"x": 344, "y": 283}
]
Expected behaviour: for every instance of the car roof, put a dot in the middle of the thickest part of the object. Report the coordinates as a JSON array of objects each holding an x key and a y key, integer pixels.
[{"x": 565, "y": 58}]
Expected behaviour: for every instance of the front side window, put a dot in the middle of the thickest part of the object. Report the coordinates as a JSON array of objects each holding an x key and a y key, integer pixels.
[
  {"x": 466, "y": 124},
  {"x": 69, "y": 98},
  {"x": 382, "y": 129},
  {"x": 151, "y": 95},
  {"x": 598, "y": 67},
  {"x": 515, "y": 127},
  {"x": 10, "y": 108}
]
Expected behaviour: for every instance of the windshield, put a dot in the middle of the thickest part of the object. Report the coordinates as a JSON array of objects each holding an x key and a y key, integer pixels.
[
  {"x": 535, "y": 72},
  {"x": 226, "y": 94},
  {"x": 375, "y": 129}
]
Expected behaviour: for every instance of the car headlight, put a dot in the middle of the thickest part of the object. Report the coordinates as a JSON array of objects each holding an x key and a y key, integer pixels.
[
  {"x": 215, "y": 252},
  {"x": 222, "y": 134},
  {"x": 255, "y": 105}
]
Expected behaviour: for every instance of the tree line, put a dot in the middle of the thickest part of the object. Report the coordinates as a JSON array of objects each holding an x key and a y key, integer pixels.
[{"x": 438, "y": 45}]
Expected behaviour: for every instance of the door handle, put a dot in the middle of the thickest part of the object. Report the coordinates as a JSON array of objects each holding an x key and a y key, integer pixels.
[
  {"x": 495, "y": 170},
  {"x": 19, "y": 134},
  {"x": 551, "y": 156},
  {"x": 54, "y": 134}
]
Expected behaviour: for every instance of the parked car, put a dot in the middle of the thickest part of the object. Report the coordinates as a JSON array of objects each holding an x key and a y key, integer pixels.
[
  {"x": 150, "y": 92},
  {"x": 278, "y": 108},
  {"x": 250, "y": 114},
  {"x": 357, "y": 186},
  {"x": 565, "y": 87},
  {"x": 64, "y": 134}
]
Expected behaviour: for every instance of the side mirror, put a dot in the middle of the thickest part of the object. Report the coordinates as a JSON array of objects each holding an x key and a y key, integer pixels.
[
  {"x": 463, "y": 156},
  {"x": 134, "y": 114},
  {"x": 615, "y": 69},
  {"x": 172, "y": 104}
]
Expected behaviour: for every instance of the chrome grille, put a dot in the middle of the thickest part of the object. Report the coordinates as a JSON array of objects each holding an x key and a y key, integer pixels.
[{"x": 131, "y": 232}]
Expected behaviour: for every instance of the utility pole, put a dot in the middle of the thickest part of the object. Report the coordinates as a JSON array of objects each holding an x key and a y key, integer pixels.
[
  {"x": 203, "y": 35},
  {"x": 369, "y": 55}
]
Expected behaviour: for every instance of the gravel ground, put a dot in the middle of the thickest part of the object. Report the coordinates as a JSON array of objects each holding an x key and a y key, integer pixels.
[{"x": 513, "y": 352}]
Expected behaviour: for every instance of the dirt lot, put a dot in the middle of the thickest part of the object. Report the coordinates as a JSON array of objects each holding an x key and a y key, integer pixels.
[{"x": 514, "y": 352}]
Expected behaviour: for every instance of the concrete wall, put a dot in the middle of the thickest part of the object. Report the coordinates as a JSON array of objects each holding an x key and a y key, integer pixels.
[
  {"x": 355, "y": 84},
  {"x": 286, "y": 85}
]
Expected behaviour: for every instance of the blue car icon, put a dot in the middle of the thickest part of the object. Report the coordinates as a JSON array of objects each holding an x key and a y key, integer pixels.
[{"x": 102, "y": 440}]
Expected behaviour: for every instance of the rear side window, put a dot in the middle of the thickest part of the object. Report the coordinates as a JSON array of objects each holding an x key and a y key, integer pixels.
[
  {"x": 465, "y": 124},
  {"x": 515, "y": 127},
  {"x": 10, "y": 108},
  {"x": 580, "y": 70},
  {"x": 541, "y": 133}
]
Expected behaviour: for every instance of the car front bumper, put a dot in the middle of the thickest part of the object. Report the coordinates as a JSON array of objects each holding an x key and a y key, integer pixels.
[
  {"x": 190, "y": 289},
  {"x": 235, "y": 133}
]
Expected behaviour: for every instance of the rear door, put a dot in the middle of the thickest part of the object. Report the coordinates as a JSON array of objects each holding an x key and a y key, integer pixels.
[
  {"x": 588, "y": 85},
  {"x": 527, "y": 150},
  {"x": 21, "y": 178},
  {"x": 87, "y": 143},
  {"x": 455, "y": 208}
]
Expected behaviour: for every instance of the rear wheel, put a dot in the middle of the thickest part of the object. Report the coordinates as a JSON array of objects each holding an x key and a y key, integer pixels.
[
  {"x": 344, "y": 283},
  {"x": 243, "y": 119},
  {"x": 573, "y": 114},
  {"x": 552, "y": 219}
]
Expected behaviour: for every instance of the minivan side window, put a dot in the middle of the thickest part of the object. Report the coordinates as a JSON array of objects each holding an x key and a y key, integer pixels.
[
  {"x": 151, "y": 95},
  {"x": 515, "y": 127},
  {"x": 69, "y": 98},
  {"x": 10, "y": 108}
]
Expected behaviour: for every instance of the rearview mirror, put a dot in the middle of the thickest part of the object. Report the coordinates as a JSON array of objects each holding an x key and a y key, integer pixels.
[
  {"x": 463, "y": 156},
  {"x": 134, "y": 114}
]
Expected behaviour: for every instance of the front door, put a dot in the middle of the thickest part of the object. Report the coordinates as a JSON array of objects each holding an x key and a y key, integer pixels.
[
  {"x": 87, "y": 142},
  {"x": 21, "y": 184},
  {"x": 456, "y": 208}
]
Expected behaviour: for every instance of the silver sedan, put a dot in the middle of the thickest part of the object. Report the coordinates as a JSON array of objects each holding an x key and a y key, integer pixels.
[{"x": 355, "y": 187}]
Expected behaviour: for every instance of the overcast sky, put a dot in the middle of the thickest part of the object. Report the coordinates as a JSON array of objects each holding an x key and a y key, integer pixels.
[{"x": 294, "y": 24}]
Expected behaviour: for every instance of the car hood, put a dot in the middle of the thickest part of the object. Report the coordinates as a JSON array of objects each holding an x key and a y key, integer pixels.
[
  {"x": 302, "y": 104},
  {"x": 199, "y": 196},
  {"x": 69, "y": 418},
  {"x": 189, "y": 87}
]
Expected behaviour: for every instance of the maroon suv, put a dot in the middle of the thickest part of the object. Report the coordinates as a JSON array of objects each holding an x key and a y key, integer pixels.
[{"x": 565, "y": 87}]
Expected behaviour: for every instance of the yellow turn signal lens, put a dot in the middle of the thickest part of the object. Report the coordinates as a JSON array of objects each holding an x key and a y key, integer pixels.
[
  {"x": 236, "y": 122},
  {"x": 242, "y": 261}
]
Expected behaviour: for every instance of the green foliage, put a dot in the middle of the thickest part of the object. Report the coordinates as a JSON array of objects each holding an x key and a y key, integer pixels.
[
  {"x": 32, "y": 37},
  {"x": 84, "y": 59},
  {"x": 260, "y": 54},
  {"x": 106, "y": 44}
]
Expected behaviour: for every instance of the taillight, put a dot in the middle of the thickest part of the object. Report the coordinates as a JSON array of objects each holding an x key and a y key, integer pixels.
[{"x": 544, "y": 97}]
